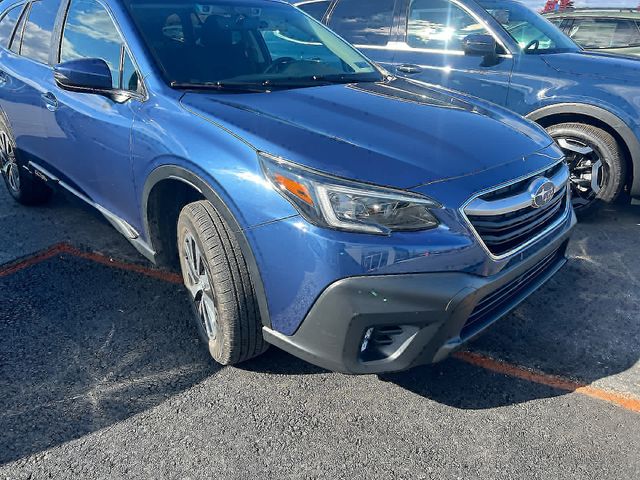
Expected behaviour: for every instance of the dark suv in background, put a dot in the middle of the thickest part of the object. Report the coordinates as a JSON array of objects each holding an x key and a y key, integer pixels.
[
  {"x": 504, "y": 52},
  {"x": 606, "y": 30}
]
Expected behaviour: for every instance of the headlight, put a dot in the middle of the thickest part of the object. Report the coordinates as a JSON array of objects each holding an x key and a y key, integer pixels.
[{"x": 337, "y": 203}]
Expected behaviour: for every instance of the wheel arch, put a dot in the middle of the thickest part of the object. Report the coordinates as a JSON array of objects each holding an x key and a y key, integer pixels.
[
  {"x": 598, "y": 117},
  {"x": 186, "y": 186}
]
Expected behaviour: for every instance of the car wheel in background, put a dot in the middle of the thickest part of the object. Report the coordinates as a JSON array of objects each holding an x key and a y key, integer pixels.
[
  {"x": 23, "y": 185},
  {"x": 596, "y": 161},
  {"x": 217, "y": 279}
]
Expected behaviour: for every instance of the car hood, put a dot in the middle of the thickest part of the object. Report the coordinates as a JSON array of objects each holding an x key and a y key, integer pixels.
[
  {"x": 596, "y": 64},
  {"x": 396, "y": 133}
]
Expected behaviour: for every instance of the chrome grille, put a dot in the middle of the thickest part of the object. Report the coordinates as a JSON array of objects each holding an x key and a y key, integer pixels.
[{"x": 505, "y": 219}]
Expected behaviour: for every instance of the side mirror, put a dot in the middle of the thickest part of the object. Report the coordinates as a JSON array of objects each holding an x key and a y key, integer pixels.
[
  {"x": 479, "y": 45},
  {"x": 91, "y": 75}
]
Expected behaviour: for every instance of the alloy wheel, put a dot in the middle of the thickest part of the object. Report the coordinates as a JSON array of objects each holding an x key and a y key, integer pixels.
[
  {"x": 198, "y": 282},
  {"x": 8, "y": 163},
  {"x": 589, "y": 174}
]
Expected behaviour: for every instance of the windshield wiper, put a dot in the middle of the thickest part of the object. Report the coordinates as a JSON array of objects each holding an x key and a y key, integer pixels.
[
  {"x": 249, "y": 87},
  {"x": 316, "y": 81},
  {"x": 252, "y": 87},
  {"x": 341, "y": 78},
  {"x": 272, "y": 84}
]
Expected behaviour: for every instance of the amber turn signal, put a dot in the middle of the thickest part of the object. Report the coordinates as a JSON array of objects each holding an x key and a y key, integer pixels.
[{"x": 295, "y": 188}]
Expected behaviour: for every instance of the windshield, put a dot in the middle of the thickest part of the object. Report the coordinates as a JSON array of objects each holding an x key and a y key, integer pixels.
[
  {"x": 244, "y": 45},
  {"x": 534, "y": 33}
]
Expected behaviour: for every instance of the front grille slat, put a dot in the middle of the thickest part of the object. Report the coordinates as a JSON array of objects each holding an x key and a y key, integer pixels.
[
  {"x": 504, "y": 233},
  {"x": 493, "y": 224},
  {"x": 499, "y": 297},
  {"x": 509, "y": 190},
  {"x": 493, "y": 304},
  {"x": 499, "y": 239}
]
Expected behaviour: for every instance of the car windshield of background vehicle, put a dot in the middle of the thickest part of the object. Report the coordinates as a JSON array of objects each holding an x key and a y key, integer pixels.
[
  {"x": 245, "y": 47},
  {"x": 440, "y": 25},
  {"x": 534, "y": 33},
  {"x": 605, "y": 33}
]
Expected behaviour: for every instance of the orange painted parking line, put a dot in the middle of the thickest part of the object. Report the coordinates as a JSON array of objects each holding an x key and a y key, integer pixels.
[
  {"x": 62, "y": 248},
  {"x": 553, "y": 381},
  {"x": 131, "y": 267},
  {"x": 475, "y": 359},
  {"x": 33, "y": 259}
]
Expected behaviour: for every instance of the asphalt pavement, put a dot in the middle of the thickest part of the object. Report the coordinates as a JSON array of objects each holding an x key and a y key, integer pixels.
[{"x": 102, "y": 376}]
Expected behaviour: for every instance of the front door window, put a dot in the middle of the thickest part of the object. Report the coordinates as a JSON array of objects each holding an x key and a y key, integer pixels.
[{"x": 440, "y": 25}]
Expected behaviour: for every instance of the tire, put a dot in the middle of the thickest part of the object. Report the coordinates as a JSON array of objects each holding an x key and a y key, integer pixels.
[
  {"x": 584, "y": 145},
  {"x": 23, "y": 186},
  {"x": 220, "y": 289}
]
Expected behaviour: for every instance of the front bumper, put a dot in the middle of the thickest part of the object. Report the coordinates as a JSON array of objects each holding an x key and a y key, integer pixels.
[{"x": 412, "y": 319}]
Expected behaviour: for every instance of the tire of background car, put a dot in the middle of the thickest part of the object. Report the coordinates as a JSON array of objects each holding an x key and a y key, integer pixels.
[
  {"x": 22, "y": 185},
  {"x": 597, "y": 164},
  {"x": 217, "y": 278}
]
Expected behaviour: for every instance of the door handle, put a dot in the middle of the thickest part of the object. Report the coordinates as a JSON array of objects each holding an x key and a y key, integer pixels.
[
  {"x": 409, "y": 68},
  {"x": 50, "y": 101}
]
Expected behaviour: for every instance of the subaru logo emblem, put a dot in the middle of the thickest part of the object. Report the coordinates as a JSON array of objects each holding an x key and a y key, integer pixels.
[{"x": 542, "y": 192}]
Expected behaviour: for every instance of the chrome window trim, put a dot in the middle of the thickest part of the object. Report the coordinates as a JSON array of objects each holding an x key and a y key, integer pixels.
[
  {"x": 531, "y": 241},
  {"x": 306, "y": 2},
  {"x": 405, "y": 47}
]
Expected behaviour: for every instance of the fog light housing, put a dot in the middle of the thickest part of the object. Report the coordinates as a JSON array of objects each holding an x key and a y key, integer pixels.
[{"x": 384, "y": 341}]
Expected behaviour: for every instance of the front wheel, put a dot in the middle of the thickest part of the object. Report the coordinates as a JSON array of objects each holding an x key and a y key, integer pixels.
[
  {"x": 217, "y": 278},
  {"x": 596, "y": 162}
]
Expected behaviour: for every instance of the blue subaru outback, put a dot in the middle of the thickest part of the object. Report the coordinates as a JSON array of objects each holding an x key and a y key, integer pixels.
[
  {"x": 363, "y": 222},
  {"x": 502, "y": 51}
]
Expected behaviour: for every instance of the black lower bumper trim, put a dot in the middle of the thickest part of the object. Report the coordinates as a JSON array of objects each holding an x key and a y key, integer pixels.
[{"x": 412, "y": 319}]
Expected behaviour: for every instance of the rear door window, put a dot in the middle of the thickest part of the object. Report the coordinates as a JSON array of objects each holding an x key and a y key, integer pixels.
[
  {"x": 38, "y": 32},
  {"x": 363, "y": 23},
  {"x": 8, "y": 24}
]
